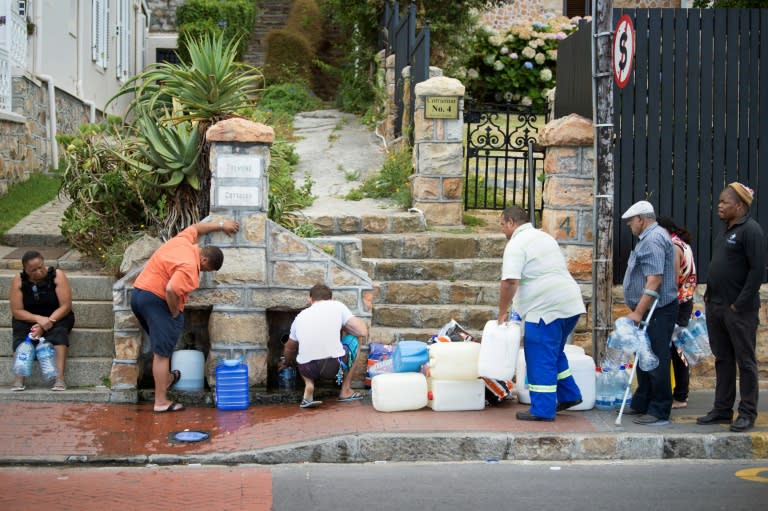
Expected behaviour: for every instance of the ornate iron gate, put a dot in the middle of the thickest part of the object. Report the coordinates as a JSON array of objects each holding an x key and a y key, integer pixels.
[{"x": 504, "y": 165}]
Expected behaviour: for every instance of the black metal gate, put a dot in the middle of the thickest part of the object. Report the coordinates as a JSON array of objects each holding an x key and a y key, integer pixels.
[{"x": 504, "y": 165}]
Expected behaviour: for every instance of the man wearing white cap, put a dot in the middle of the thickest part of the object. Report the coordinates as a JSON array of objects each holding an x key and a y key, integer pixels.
[
  {"x": 651, "y": 275},
  {"x": 736, "y": 270}
]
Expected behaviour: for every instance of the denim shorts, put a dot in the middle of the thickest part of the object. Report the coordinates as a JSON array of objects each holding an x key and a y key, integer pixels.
[{"x": 155, "y": 318}]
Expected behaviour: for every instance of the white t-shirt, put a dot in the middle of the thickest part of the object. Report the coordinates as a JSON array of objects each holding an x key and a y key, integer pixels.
[
  {"x": 547, "y": 290},
  {"x": 318, "y": 330}
]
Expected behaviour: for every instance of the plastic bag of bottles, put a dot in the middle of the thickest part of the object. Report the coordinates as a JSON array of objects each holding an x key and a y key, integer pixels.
[
  {"x": 25, "y": 356},
  {"x": 381, "y": 367},
  {"x": 646, "y": 358},
  {"x": 455, "y": 332},
  {"x": 46, "y": 356}
]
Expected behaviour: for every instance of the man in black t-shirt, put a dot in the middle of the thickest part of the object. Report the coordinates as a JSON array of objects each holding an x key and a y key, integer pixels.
[{"x": 732, "y": 301}]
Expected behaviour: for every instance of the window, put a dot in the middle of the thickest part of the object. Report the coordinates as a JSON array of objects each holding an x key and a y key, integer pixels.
[
  {"x": 573, "y": 8},
  {"x": 167, "y": 55},
  {"x": 23, "y": 8},
  {"x": 124, "y": 32},
  {"x": 100, "y": 33}
]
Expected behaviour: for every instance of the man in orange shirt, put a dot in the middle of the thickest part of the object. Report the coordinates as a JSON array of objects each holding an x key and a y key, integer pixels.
[{"x": 160, "y": 292}]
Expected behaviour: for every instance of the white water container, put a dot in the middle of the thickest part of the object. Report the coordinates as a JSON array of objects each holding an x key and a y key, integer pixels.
[
  {"x": 454, "y": 360},
  {"x": 456, "y": 395},
  {"x": 398, "y": 392},
  {"x": 583, "y": 370},
  {"x": 498, "y": 350},
  {"x": 191, "y": 364}
]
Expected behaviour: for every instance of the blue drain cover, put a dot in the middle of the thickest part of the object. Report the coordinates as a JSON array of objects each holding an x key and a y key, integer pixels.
[{"x": 190, "y": 436}]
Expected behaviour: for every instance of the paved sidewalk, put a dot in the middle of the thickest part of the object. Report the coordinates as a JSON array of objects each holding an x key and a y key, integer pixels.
[{"x": 64, "y": 433}]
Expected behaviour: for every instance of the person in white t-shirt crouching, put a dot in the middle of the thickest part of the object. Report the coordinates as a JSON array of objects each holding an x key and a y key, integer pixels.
[{"x": 316, "y": 346}]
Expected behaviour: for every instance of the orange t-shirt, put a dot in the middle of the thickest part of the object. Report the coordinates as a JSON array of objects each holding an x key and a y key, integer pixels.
[{"x": 177, "y": 262}]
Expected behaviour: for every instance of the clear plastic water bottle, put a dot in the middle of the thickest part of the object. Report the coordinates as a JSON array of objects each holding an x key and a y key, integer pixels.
[
  {"x": 646, "y": 358},
  {"x": 698, "y": 329},
  {"x": 286, "y": 378},
  {"x": 46, "y": 355},
  {"x": 25, "y": 355},
  {"x": 614, "y": 354},
  {"x": 603, "y": 393},
  {"x": 620, "y": 382},
  {"x": 514, "y": 317}
]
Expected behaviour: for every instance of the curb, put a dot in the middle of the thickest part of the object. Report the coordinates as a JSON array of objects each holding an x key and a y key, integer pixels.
[{"x": 456, "y": 447}]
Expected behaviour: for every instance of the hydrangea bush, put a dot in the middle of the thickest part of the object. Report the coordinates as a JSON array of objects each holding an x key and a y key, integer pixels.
[{"x": 517, "y": 66}]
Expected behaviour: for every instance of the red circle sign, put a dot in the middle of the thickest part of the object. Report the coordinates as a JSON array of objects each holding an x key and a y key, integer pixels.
[{"x": 623, "y": 50}]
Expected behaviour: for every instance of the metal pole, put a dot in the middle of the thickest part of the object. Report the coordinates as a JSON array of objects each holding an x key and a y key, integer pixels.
[
  {"x": 602, "y": 213},
  {"x": 531, "y": 184}
]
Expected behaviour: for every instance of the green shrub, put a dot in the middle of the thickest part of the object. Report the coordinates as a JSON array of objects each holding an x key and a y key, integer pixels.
[
  {"x": 305, "y": 18},
  {"x": 232, "y": 18},
  {"x": 288, "y": 98},
  {"x": 288, "y": 57},
  {"x": 391, "y": 181},
  {"x": 517, "y": 66}
]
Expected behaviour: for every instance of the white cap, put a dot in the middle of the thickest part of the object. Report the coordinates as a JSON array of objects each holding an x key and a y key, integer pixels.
[{"x": 642, "y": 207}]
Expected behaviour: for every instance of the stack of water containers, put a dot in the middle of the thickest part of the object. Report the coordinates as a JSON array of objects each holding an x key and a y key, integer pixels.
[
  {"x": 406, "y": 387},
  {"x": 454, "y": 383},
  {"x": 610, "y": 385}
]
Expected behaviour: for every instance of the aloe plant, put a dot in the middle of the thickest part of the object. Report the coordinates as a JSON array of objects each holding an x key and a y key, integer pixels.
[{"x": 172, "y": 151}]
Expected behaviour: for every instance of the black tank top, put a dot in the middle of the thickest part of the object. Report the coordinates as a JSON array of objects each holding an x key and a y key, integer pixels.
[{"x": 40, "y": 298}]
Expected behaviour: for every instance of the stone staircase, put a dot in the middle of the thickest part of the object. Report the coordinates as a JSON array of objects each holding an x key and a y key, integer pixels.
[
  {"x": 89, "y": 358},
  {"x": 272, "y": 15}
]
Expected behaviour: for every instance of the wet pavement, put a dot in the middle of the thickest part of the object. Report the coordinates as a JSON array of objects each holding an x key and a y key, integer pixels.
[{"x": 104, "y": 433}]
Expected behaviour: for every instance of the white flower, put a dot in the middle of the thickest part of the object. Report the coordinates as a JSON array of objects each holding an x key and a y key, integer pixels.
[
  {"x": 496, "y": 40},
  {"x": 489, "y": 59},
  {"x": 473, "y": 74},
  {"x": 539, "y": 58},
  {"x": 529, "y": 52},
  {"x": 504, "y": 50},
  {"x": 498, "y": 65},
  {"x": 545, "y": 74},
  {"x": 513, "y": 56},
  {"x": 526, "y": 101}
]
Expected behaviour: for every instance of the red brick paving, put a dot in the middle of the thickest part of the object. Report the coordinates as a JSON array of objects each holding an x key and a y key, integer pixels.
[
  {"x": 189, "y": 488},
  {"x": 30, "y": 429}
]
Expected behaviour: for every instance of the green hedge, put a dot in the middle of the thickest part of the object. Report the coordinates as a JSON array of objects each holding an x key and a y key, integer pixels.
[
  {"x": 289, "y": 57},
  {"x": 305, "y": 18},
  {"x": 233, "y": 18}
]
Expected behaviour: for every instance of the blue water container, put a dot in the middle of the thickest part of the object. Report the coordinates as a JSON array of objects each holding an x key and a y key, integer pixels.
[
  {"x": 409, "y": 356},
  {"x": 232, "y": 391}
]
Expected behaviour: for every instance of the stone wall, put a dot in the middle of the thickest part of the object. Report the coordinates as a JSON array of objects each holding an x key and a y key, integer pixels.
[
  {"x": 567, "y": 215},
  {"x": 163, "y": 15},
  {"x": 24, "y": 143}
]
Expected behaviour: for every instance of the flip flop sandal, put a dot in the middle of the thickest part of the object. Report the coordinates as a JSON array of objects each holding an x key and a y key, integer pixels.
[
  {"x": 176, "y": 377},
  {"x": 18, "y": 388},
  {"x": 173, "y": 407},
  {"x": 59, "y": 386},
  {"x": 305, "y": 403},
  {"x": 356, "y": 396}
]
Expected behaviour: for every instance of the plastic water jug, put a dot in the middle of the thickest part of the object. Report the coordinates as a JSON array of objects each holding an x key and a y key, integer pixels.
[
  {"x": 232, "y": 390},
  {"x": 454, "y": 360},
  {"x": 582, "y": 368},
  {"x": 498, "y": 350},
  {"x": 398, "y": 392},
  {"x": 46, "y": 355},
  {"x": 191, "y": 364},
  {"x": 456, "y": 395},
  {"x": 409, "y": 356},
  {"x": 25, "y": 356}
]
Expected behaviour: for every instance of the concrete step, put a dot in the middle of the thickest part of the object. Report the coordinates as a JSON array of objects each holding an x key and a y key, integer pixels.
[
  {"x": 476, "y": 269},
  {"x": 432, "y": 316},
  {"x": 436, "y": 291},
  {"x": 391, "y": 335},
  {"x": 70, "y": 261},
  {"x": 83, "y": 342},
  {"x": 97, "y": 394},
  {"x": 80, "y": 372},
  {"x": 88, "y": 314},
  {"x": 85, "y": 286},
  {"x": 385, "y": 223},
  {"x": 433, "y": 245}
]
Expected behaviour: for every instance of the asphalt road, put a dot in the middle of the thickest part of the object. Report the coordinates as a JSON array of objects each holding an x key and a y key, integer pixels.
[{"x": 589, "y": 486}]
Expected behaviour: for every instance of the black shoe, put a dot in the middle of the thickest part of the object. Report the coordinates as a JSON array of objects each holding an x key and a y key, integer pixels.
[
  {"x": 650, "y": 420},
  {"x": 742, "y": 423},
  {"x": 528, "y": 416},
  {"x": 567, "y": 404},
  {"x": 714, "y": 418},
  {"x": 630, "y": 411}
]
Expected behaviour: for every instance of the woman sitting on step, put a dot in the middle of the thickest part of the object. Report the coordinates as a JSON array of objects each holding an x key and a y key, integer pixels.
[{"x": 41, "y": 303}]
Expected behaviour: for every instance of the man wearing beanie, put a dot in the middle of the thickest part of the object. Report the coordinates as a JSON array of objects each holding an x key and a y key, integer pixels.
[{"x": 732, "y": 299}]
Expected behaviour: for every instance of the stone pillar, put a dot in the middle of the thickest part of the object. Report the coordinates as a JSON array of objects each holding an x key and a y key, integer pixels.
[
  {"x": 438, "y": 183},
  {"x": 389, "y": 87}
]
